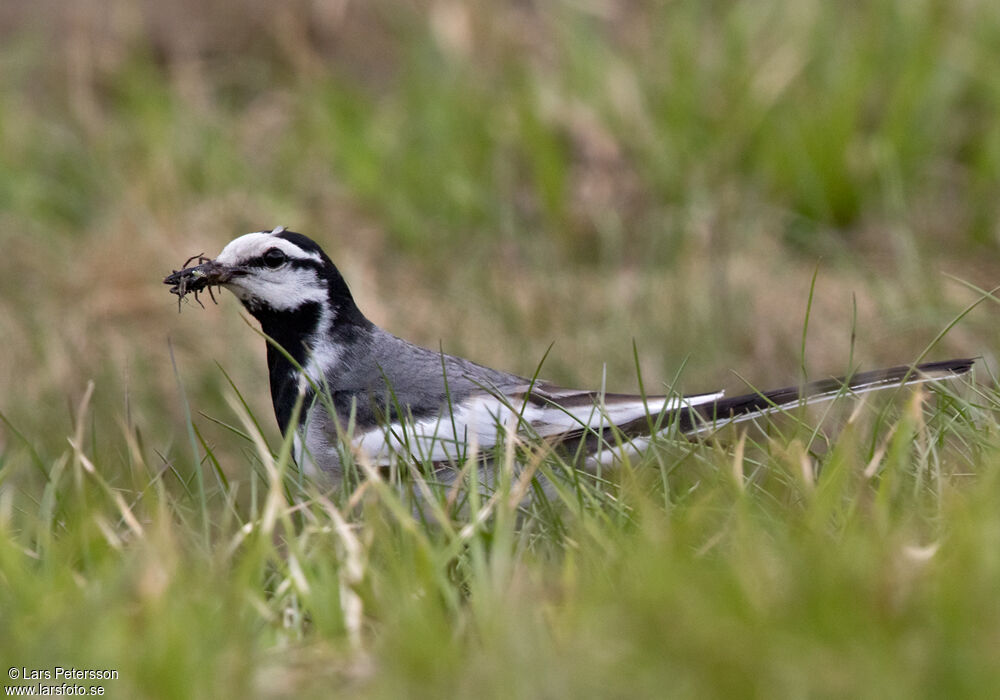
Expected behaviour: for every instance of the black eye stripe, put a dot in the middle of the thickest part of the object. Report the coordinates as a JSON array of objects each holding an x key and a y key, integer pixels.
[{"x": 296, "y": 263}]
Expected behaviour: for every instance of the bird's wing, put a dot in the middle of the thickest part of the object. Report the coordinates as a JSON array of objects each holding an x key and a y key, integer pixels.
[
  {"x": 541, "y": 411},
  {"x": 566, "y": 415}
]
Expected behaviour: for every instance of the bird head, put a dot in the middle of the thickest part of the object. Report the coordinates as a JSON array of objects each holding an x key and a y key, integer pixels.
[{"x": 270, "y": 272}]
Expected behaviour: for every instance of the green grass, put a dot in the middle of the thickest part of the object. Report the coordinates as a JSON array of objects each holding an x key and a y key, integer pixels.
[
  {"x": 853, "y": 562},
  {"x": 491, "y": 179}
]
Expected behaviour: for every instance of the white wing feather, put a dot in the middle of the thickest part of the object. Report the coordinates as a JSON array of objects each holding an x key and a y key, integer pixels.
[{"x": 485, "y": 418}]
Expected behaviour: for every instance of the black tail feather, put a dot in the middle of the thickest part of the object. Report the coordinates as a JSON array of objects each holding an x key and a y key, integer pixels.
[
  {"x": 690, "y": 420},
  {"x": 696, "y": 418}
]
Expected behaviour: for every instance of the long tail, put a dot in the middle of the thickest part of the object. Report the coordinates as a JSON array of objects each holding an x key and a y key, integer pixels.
[{"x": 695, "y": 419}]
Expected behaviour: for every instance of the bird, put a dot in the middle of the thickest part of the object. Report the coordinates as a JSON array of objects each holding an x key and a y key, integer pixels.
[{"x": 343, "y": 385}]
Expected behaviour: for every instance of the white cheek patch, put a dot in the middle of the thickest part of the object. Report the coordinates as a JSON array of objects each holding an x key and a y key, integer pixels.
[{"x": 285, "y": 289}]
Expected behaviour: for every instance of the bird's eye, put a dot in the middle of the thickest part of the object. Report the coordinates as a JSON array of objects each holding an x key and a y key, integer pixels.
[{"x": 274, "y": 257}]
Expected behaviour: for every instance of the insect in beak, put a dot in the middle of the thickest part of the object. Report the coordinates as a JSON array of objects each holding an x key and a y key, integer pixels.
[{"x": 199, "y": 278}]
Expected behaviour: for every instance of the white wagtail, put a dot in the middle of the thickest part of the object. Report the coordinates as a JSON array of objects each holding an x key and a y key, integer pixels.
[{"x": 403, "y": 399}]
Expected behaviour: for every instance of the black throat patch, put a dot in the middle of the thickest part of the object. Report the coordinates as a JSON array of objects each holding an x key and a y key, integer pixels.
[{"x": 289, "y": 330}]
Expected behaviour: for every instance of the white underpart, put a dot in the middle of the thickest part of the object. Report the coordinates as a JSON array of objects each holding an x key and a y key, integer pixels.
[
  {"x": 298, "y": 454},
  {"x": 284, "y": 288},
  {"x": 321, "y": 360},
  {"x": 323, "y": 355},
  {"x": 484, "y": 420},
  {"x": 304, "y": 455}
]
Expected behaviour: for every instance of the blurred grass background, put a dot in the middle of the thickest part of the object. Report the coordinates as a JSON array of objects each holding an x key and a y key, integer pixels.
[
  {"x": 490, "y": 177},
  {"x": 496, "y": 178}
]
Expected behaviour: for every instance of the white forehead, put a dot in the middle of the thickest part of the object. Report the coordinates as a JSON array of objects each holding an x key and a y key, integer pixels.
[{"x": 253, "y": 245}]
